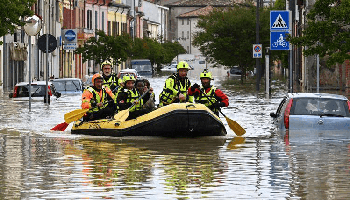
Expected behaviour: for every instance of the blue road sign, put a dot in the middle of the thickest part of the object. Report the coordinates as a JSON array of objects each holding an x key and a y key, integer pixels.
[
  {"x": 278, "y": 41},
  {"x": 70, "y": 35},
  {"x": 280, "y": 20}
]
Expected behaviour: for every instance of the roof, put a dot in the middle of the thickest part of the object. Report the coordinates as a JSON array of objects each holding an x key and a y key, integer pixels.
[
  {"x": 128, "y": 70},
  {"x": 33, "y": 83},
  {"x": 197, "y": 13},
  {"x": 65, "y": 79},
  {"x": 317, "y": 95},
  {"x": 202, "y": 3}
]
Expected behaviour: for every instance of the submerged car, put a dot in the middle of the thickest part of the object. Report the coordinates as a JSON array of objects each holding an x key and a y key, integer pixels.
[
  {"x": 37, "y": 90},
  {"x": 133, "y": 72},
  {"x": 306, "y": 116},
  {"x": 68, "y": 86},
  {"x": 234, "y": 71},
  {"x": 313, "y": 111}
]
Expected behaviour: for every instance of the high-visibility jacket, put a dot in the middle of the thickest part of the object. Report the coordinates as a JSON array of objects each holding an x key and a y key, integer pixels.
[
  {"x": 112, "y": 81},
  {"x": 172, "y": 88},
  {"x": 127, "y": 97},
  {"x": 212, "y": 95},
  {"x": 91, "y": 97}
]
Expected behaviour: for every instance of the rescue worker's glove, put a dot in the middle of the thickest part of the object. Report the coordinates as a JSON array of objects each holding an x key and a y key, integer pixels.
[
  {"x": 219, "y": 104},
  {"x": 194, "y": 87}
]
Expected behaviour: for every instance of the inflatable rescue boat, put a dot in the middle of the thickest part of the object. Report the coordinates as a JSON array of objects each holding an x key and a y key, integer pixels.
[{"x": 174, "y": 120}]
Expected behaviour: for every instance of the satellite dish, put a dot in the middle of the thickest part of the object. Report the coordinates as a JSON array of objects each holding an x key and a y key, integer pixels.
[{"x": 33, "y": 25}]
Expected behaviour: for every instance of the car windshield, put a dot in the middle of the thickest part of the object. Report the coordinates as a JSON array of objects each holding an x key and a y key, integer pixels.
[
  {"x": 140, "y": 68},
  {"x": 36, "y": 90},
  {"x": 320, "y": 106},
  {"x": 67, "y": 85}
]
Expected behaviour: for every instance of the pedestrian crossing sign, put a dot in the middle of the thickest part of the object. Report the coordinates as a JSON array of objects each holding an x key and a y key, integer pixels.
[{"x": 280, "y": 20}]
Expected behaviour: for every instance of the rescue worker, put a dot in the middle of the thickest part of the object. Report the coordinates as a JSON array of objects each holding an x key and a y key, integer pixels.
[
  {"x": 207, "y": 94},
  {"x": 95, "y": 99},
  {"x": 127, "y": 95},
  {"x": 110, "y": 79},
  {"x": 149, "y": 97},
  {"x": 176, "y": 86}
]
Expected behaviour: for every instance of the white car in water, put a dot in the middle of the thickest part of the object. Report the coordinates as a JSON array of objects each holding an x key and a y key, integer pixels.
[{"x": 37, "y": 90}]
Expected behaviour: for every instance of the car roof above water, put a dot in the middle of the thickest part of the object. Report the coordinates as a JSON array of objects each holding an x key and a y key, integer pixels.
[
  {"x": 66, "y": 79},
  {"x": 317, "y": 95},
  {"x": 33, "y": 83}
]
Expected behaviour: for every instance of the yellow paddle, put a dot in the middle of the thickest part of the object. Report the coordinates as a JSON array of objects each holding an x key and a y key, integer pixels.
[
  {"x": 70, "y": 117},
  {"x": 232, "y": 124},
  {"x": 124, "y": 114},
  {"x": 74, "y": 115}
]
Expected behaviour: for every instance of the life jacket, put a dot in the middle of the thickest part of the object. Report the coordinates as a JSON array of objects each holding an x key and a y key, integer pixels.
[
  {"x": 97, "y": 99},
  {"x": 209, "y": 99},
  {"x": 112, "y": 82},
  {"x": 130, "y": 97},
  {"x": 173, "y": 86}
]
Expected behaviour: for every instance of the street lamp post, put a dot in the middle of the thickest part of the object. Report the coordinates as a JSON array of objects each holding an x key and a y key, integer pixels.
[{"x": 32, "y": 28}]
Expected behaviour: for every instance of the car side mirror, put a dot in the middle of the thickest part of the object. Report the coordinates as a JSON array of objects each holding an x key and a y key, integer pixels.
[{"x": 273, "y": 115}]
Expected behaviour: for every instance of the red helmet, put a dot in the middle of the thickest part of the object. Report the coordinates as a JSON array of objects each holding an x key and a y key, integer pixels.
[{"x": 96, "y": 76}]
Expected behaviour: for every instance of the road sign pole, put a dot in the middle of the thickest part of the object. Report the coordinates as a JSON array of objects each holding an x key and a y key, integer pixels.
[
  {"x": 257, "y": 61},
  {"x": 267, "y": 72},
  {"x": 290, "y": 70}
]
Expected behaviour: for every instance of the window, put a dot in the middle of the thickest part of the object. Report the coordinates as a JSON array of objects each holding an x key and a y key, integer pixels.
[
  {"x": 188, "y": 49},
  {"x": 89, "y": 19},
  {"x": 124, "y": 27},
  {"x": 96, "y": 21},
  {"x": 109, "y": 28},
  {"x": 103, "y": 21},
  {"x": 188, "y": 21},
  {"x": 188, "y": 34},
  {"x": 182, "y": 21},
  {"x": 183, "y": 34},
  {"x": 114, "y": 29}
]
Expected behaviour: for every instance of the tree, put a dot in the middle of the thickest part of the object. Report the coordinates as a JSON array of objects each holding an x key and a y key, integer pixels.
[
  {"x": 327, "y": 31},
  {"x": 12, "y": 13},
  {"x": 171, "y": 50},
  {"x": 138, "y": 49},
  {"x": 156, "y": 51},
  {"x": 115, "y": 49},
  {"x": 227, "y": 36}
]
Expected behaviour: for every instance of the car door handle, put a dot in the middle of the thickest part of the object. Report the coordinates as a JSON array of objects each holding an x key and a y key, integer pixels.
[{"x": 320, "y": 122}]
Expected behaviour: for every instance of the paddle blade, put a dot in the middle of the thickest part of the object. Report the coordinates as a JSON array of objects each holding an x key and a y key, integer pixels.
[
  {"x": 122, "y": 115},
  {"x": 60, "y": 127},
  {"x": 235, "y": 141},
  {"x": 74, "y": 115},
  {"x": 235, "y": 127}
]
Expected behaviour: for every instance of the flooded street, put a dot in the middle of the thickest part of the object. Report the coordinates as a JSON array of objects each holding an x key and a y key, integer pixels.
[{"x": 36, "y": 163}]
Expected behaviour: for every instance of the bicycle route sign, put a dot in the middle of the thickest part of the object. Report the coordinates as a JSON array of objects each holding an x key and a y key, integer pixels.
[
  {"x": 280, "y": 26},
  {"x": 278, "y": 41},
  {"x": 257, "y": 50}
]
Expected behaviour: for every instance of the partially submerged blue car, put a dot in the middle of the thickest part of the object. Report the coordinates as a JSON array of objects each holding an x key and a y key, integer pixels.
[{"x": 311, "y": 115}]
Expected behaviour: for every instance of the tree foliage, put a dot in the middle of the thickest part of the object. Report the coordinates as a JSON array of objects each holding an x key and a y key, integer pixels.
[
  {"x": 172, "y": 49},
  {"x": 115, "y": 49},
  {"x": 12, "y": 13},
  {"x": 327, "y": 31},
  {"x": 227, "y": 35},
  {"x": 119, "y": 48}
]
